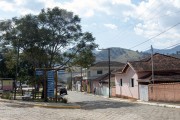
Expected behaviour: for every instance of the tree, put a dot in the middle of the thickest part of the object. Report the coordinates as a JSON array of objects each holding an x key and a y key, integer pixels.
[{"x": 42, "y": 38}]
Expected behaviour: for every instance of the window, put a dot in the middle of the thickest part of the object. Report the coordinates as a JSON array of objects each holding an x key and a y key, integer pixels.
[
  {"x": 131, "y": 82},
  {"x": 120, "y": 82},
  {"x": 99, "y": 72}
]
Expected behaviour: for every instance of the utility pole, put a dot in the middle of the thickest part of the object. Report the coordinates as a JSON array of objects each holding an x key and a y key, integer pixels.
[
  {"x": 109, "y": 71},
  {"x": 17, "y": 70},
  {"x": 152, "y": 64},
  {"x": 71, "y": 81},
  {"x": 81, "y": 80}
]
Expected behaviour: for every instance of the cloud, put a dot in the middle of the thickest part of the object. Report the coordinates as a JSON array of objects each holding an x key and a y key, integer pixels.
[
  {"x": 111, "y": 26},
  {"x": 146, "y": 18},
  {"x": 155, "y": 16},
  {"x": 20, "y": 7},
  {"x": 6, "y": 6},
  {"x": 84, "y": 8},
  {"x": 126, "y": 2}
]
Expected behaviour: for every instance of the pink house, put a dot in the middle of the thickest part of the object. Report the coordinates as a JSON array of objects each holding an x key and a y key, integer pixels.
[
  {"x": 132, "y": 81},
  {"x": 126, "y": 82}
]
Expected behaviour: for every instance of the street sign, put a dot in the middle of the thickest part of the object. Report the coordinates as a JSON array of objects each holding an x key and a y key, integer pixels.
[
  {"x": 50, "y": 84},
  {"x": 39, "y": 72}
]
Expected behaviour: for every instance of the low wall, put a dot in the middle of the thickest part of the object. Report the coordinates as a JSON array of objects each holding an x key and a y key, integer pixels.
[{"x": 169, "y": 92}]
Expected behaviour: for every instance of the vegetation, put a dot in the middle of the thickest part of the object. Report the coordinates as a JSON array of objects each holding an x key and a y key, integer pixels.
[
  {"x": 6, "y": 95},
  {"x": 43, "y": 41}
]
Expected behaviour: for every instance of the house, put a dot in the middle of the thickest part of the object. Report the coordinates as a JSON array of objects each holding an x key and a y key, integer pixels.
[
  {"x": 101, "y": 84},
  {"x": 133, "y": 80},
  {"x": 97, "y": 70},
  {"x": 76, "y": 82},
  {"x": 6, "y": 84}
]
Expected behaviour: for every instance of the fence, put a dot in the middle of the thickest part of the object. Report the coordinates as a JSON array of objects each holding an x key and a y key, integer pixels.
[{"x": 169, "y": 92}]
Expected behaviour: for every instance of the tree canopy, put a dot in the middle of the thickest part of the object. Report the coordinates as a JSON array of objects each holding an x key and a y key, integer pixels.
[{"x": 44, "y": 39}]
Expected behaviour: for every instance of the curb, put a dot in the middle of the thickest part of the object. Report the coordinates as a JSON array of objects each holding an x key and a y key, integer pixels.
[
  {"x": 148, "y": 103},
  {"x": 138, "y": 101},
  {"x": 57, "y": 107},
  {"x": 159, "y": 104},
  {"x": 43, "y": 106}
]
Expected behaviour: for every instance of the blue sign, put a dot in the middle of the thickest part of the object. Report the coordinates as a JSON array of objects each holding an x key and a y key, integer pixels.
[
  {"x": 50, "y": 84},
  {"x": 39, "y": 72}
]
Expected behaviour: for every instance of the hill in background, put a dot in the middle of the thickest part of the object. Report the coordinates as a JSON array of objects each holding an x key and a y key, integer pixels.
[
  {"x": 124, "y": 55},
  {"x": 175, "y": 50},
  {"x": 120, "y": 55}
]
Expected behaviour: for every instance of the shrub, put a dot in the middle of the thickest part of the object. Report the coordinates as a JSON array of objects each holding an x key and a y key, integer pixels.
[
  {"x": 6, "y": 95},
  {"x": 64, "y": 100}
]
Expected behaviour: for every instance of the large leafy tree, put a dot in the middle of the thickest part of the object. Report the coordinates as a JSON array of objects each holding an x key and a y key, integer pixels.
[{"x": 43, "y": 38}]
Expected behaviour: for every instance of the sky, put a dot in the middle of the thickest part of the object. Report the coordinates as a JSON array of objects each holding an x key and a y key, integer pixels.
[{"x": 114, "y": 23}]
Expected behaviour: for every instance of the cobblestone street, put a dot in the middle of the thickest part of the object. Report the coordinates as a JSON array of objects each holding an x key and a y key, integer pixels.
[{"x": 93, "y": 108}]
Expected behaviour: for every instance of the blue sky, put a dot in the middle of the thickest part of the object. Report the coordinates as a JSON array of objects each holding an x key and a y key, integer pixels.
[{"x": 114, "y": 23}]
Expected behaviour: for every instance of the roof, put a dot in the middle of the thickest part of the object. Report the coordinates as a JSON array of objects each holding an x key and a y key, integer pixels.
[
  {"x": 6, "y": 78},
  {"x": 106, "y": 64},
  {"x": 103, "y": 77},
  {"x": 162, "y": 78},
  {"x": 161, "y": 63}
]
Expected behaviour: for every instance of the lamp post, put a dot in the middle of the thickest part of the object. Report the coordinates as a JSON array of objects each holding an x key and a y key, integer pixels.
[{"x": 109, "y": 71}]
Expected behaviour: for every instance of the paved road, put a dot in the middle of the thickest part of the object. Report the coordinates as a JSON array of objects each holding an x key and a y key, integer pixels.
[{"x": 93, "y": 108}]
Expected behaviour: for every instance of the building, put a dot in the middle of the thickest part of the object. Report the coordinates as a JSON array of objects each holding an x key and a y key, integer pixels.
[
  {"x": 133, "y": 80},
  {"x": 6, "y": 84},
  {"x": 97, "y": 70}
]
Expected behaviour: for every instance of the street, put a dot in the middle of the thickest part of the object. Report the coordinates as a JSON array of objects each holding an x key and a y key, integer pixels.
[{"x": 93, "y": 108}]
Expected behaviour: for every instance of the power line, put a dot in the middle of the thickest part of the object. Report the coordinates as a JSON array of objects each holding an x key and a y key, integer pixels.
[
  {"x": 156, "y": 35},
  {"x": 169, "y": 47},
  {"x": 130, "y": 25}
]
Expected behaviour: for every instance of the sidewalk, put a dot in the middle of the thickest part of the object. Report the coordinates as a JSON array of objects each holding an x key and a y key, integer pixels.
[
  {"x": 161, "y": 104},
  {"x": 44, "y": 104}
]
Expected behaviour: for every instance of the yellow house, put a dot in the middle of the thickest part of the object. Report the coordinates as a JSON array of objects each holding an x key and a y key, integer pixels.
[{"x": 6, "y": 83}]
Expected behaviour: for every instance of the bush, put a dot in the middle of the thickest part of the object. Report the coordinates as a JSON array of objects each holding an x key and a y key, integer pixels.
[
  {"x": 64, "y": 100},
  {"x": 6, "y": 95}
]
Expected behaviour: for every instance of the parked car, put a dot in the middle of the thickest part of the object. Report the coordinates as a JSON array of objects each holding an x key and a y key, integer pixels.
[{"x": 63, "y": 91}]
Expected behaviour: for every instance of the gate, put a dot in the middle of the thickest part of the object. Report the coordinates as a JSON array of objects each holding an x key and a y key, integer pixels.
[{"x": 143, "y": 89}]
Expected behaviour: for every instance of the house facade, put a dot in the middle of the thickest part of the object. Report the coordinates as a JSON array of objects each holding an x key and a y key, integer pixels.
[
  {"x": 97, "y": 70},
  {"x": 127, "y": 84},
  {"x": 6, "y": 84},
  {"x": 133, "y": 80}
]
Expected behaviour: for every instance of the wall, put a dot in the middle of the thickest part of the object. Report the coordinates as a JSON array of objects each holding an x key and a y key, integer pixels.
[
  {"x": 125, "y": 90},
  {"x": 7, "y": 85},
  {"x": 113, "y": 91},
  {"x": 93, "y": 72},
  {"x": 167, "y": 92}
]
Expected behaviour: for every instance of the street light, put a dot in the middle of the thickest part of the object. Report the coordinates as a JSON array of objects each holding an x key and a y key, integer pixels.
[{"x": 109, "y": 63}]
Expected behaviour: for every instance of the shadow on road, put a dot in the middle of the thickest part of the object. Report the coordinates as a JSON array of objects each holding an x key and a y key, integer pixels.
[
  {"x": 19, "y": 105},
  {"x": 89, "y": 105}
]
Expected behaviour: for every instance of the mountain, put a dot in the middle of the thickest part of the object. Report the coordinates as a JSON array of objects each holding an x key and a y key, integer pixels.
[
  {"x": 120, "y": 55},
  {"x": 166, "y": 51}
]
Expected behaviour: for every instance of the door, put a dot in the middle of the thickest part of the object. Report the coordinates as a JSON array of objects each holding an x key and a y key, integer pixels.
[{"x": 143, "y": 89}]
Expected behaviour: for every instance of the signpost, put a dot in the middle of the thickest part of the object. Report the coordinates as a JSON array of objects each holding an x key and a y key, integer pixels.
[
  {"x": 50, "y": 84},
  {"x": 39, "y": 72},
  {"x": 49, "y": 81}
]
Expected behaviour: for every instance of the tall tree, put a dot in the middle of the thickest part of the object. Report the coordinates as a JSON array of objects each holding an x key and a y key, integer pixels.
[{"x": 43, "y": 37}]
